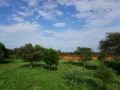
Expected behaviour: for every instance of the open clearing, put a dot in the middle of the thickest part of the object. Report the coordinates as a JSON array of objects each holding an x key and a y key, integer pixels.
[{"x": 17, "y": 75}]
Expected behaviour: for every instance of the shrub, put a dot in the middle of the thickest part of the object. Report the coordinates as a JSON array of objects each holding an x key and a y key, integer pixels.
[
  {"x": 114, "y": 65},
  {"x": 105, "y": 75}
]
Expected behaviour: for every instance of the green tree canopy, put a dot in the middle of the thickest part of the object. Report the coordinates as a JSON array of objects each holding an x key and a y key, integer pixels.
[
  {"x": 2, "y": 51},
  {"x": 50, "y": 57},
  {"x": 30, "y": 53},
  {"x": 85, "y": 54},
  {"x": 111, "y": 44}
]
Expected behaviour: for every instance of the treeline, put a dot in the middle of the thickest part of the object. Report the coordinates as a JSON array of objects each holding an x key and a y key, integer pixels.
[{"x": 108, "y": 46}]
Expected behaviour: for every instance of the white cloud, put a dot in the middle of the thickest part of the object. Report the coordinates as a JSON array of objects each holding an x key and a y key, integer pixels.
[
  {"x": 97, "y": 13},
  {"x": 70, "y": 39},
  {"x": 37, "y": 16},
  {"x": 15, "y": 17},
  {"x": 3, "y": 3},
  {"x": 94, "y": 13},
  {"x": 49, "y": 5},
  {"x": 21, "y": 27},
  {"x": 31, "y": 2},
  {"x": 58, "y": 12},
  {"x": 15, "y": 35},
  {"x": 24, "y": 8},
  {"x": 61, "y": 24},
  {"x": 25, "y": 13},
  {"x": 46, "y": 15},
  {"x": 65, "y": 2},
  {"x": 19, "y": 34},
  {"x": 48, "y": 10},
  {"x": 49, "y": 15}
]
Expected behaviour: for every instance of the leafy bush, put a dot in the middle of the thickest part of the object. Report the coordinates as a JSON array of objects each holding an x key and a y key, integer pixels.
[
  {"x": 114, "y": 65},
  {"x": 77, "y": 81},
  {"x": 105, "y": 75},
  {"x": 72, "y": 77}
]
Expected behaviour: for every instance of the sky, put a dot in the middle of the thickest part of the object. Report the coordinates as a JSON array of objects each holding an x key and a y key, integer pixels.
[{"x": 59, "y": 24}]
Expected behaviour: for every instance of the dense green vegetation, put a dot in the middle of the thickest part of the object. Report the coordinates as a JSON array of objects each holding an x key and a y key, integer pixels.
[{"x": 68, "y": 75}]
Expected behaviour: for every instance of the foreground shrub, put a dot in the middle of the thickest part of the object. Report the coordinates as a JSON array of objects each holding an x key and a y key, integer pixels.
[
  {"x": 114, "y": 65},
  {"x": 77, "y": 81},
  {"x": 105, "y": 76},
  {"x": 72, "y": 77}
]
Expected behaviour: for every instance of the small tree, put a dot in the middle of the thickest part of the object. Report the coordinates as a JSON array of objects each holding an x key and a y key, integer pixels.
[
  {"x": 105, "y": 75},
  {"x": 30, "y": 53},
  {"x": 85, "y": 54},
  {"x": 2, "y": 51},
  {"x": 50, "y": 57}
]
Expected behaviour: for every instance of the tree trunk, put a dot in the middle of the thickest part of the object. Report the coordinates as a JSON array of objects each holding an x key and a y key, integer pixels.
[
  {"x": 84, "y": 64},
  {"x": 31, "y": 64},
  {"x": 49, "y": 67}
]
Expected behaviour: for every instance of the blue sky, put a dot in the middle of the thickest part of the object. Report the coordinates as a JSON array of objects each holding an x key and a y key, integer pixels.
[{"x": 60, "y": 24}]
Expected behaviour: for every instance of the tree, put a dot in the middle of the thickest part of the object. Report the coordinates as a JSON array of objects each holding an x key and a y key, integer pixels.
[
  {"x": 50, "y": 57},
  {"x": 30, "y": 53},
  {"x": 59, "y": 51},
  {"x": 85, "y": 54},
  {"x": 2, "y": 51},
  {"x": 102, "y": 56},
  {"x": 111, "y": 44},
  {"x": 10, "y": 53},
  {"x": 38, "y": 52}
]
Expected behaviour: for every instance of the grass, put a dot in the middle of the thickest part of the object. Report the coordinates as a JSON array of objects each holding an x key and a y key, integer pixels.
[{"x": 16, "y": 75}]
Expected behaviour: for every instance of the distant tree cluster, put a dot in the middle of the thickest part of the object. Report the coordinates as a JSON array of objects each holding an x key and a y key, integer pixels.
[{"x": 31, "y": 53}]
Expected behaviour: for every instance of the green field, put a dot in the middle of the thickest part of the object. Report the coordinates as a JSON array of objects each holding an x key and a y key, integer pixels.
[{"x": 17, "y": 75}]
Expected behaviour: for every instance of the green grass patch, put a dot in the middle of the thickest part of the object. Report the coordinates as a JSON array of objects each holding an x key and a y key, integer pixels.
[{"x": 17, "y": 75}]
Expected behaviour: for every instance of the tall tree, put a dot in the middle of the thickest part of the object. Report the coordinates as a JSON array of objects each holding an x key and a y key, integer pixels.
[
  {"x": 85, "y": 54},
  {"x": 30, "y": 53},
  {"x": 111, "y": 44},
  {"x": 2, "y": 51},
  {"x": 50, "y": 57}
]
